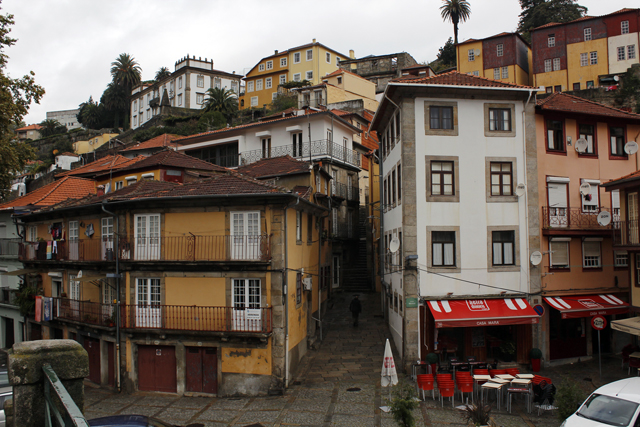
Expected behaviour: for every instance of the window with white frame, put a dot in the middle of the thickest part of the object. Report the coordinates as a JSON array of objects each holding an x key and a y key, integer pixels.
[
  {"x": 622, "y": 53},
  {"x": 274, "y": 95},
  {"x": 283, "y": 62},
  {"x": 108, "y": 293},
  {"x": 631, "y": 51},
  {"x": 258, "y": 84},
  {"x": 217, "y": 83},
  {"x": 309, "y": 75},
  {"x": 234, "y": 86},
  {"x": 135, "y": 120},
  {"x": 309, "y": 54},
  {"x": 74, "y": 289},
  {"x": 296, "y": 57},
  {"x": 254, "y": 101},
  {"x": 556, "y": 64},
  {"x": 299, "y": 226},
  {"x": 180, "y": 82},
  {"x": 505, "y": 72},
  {"x": 267, "y": 83},
  {"x": 584, "y": 59},
  {"x": 119, "y": 185},
  {"x": 551, "y": 40},
  {"x": 593, "y": 58},
  {"x": 442, "y": 178},
  {"x": 591, "y": 257},
  {"x": 261, "y": 67},
  {"x": 621, "y": 259},
  {"x": 503, "y": 247},
  {"x": 443, "y": 248},
  {"x": 624, "y": 27},
  {"x": 559, "y": 252},
  {"x": 328, "y": 57},
  {"x": 199, "y": 98},
  {"x": 587, "y": 34},
  {"x": 500, "y": 49},
  {"x": 297, "y": 77},
  {"x": 249, "y": 86},
  {"x": 179, "y": 99},
  {"x": 337, "y": 60},
  {"x": 135, "y": 105},
  {"x": 200, "y": 81},
  {"x": 547, "y": 66},
  {"x": 590, "y": 201},
  {"x": 616, "y": 135},
  {"x": 476, "y": 73},
  {"x": 269, "y": 65},
  {"x": 283, "y": 79},
  {"x": 496, "y": 74},
  {"x": 471, "y": 55},
  {"x": 587, "y": 131}
]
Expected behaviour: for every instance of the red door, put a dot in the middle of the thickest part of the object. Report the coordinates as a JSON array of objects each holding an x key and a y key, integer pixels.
[
  {"x": 92, "y": 346},
  {"x": 202, "y": 370},
  {"x": 157, "y": 368}
]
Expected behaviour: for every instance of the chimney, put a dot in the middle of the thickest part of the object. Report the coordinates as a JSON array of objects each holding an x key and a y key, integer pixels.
[
  {"x": 314, "y": 40},
  {"x": 275, "y": 52},
  {"x": 352, "y": 54},
  {"x": 100, "y": 190}
]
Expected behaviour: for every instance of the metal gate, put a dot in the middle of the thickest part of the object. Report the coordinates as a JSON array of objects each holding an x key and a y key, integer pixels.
[
  {"x": 157, "y": 368},
  {"x": 202, "y": 370}
]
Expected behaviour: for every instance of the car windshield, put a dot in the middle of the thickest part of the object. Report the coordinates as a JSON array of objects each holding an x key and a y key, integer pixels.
[{"x": 608, "y": 410}]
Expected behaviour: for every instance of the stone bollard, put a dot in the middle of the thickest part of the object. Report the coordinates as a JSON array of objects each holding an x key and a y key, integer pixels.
[{"x": 69, "y": 361}]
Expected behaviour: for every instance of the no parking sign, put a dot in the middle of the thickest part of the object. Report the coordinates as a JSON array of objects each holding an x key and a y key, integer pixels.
[{"x": 598, "y": 323}]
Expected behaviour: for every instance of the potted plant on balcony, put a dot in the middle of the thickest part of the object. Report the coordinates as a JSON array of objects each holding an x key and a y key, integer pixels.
[{"x": 536, "y": 355}]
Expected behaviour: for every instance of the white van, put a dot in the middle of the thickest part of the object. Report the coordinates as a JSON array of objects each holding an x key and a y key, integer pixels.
[{"x": 614, "y": 404}]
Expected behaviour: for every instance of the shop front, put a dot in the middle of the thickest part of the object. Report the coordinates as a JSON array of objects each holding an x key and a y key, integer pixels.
[
  {"x": 570, "y": 332},
  {"x": 492, "y": 330}
]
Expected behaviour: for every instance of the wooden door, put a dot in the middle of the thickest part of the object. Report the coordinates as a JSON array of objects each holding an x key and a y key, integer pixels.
[
  {"x": 92, "y": 346},
  {"x": 157, "y": 368},
  {"x": 202, "y": 370}
]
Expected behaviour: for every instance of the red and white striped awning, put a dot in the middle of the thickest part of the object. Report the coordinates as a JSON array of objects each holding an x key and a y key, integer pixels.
[
  {"x": 575, "y": 306},
  {"x": 482, "y": 312}
]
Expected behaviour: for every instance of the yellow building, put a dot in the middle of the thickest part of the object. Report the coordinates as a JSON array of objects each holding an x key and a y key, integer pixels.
[
  {"x": 216, "y": 279},
  {"x": 505, "y": 57},
  {"x": 82, "y": 147},
  {"x": 307, "y": 62}
]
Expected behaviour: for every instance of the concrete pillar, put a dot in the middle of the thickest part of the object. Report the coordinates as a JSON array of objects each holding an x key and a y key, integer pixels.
[{"x": 69, "y": 361}]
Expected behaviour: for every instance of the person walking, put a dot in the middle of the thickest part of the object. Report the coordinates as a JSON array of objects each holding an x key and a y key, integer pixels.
[{"x": 355, "y": 308}]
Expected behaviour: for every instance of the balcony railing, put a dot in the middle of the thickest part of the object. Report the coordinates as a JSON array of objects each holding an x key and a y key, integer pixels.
[
  {"x": 9, "y": 247},
  {"x": 626, "y": 233},
  {"x": 314, "y": 149},
  {"x": 576, "y": 218},
  {"x": 192, "y": 248},
  {"x": 168, "y": 317}
]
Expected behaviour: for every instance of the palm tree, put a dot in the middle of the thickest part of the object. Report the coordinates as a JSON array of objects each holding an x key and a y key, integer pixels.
[
  {"x": 455, "y": 11},
  {"x": 125, "y": 71},
  {"x": 222, "y": 100},
  {"x": 162, "y": 73}
]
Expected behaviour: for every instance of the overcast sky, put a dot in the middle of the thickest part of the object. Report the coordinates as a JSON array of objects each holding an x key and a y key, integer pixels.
[{"x": 70, "y": 44}]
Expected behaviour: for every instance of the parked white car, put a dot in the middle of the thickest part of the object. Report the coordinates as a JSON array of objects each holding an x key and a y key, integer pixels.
[{"x": 614, "y": 404}]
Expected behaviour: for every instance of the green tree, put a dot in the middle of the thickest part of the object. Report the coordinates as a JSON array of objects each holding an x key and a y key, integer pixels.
[
  {"x": 455, "y": 11},
  {"x": 125, "y": 71},
  {"x": 447, "y": 54},
  {"x": 91, "y": 115},
  {"x": 52, "y": 127},
  {"x": 162, "y": 74},
  {"x": 403, "y": 403},
  {"x": 16, "y": 96},
  {"x": 222, "y": 100},
  {"x": 115, "y": 100},
  {"x": 536, "y": 13}
]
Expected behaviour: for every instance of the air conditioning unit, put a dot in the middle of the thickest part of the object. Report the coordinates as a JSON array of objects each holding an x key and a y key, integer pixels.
[{"x": 307, "y": 283}]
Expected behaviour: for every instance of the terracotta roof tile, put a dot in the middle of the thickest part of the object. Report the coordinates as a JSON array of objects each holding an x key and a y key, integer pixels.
[
  {"x": 69, "y": 187},
  {"x": 30, "y": 127},
  {"x": 66, "y": 153},
  {"x": 454, "y": 78},
  {"x": 561, "y": 101},
  {"x": 163, "y": 140},
  {"x": 629, "y": 176},
  {"x": 174, "y": 159},
  {"x": 585, "y": 18},
  {"x": 275, "y": 166},
  {"x": 101, "y": 165}
]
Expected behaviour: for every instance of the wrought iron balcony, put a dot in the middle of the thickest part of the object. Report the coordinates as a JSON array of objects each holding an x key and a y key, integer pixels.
[
  {"x": 315, "y": 149},
  {"x": 192, "y": 248},
  {"x": 626, "y": 233},
  {"x": 166, "y": 317},
  {"x": 576, "y": 218}
]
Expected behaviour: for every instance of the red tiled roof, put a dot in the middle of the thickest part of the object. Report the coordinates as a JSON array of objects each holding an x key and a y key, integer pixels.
[
  {"x": 174, "y": 159},
  {"x": 69, "y": 187},
  {"x": 584, "y": 18},
  {"x": 454, "y": 78},
  {"x": 275, "y": 166},
  {"x": 30, "y": 127},
  {"x": 627, "y": 177},
  {"x": 108, "y": 163},
  {"x": 66, "y": 153},
  {"x": 561, "y": 101},
  {"x": 163, "y": 140}
]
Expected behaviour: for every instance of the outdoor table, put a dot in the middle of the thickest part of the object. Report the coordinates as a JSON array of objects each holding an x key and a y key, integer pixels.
[
  {"x": 499, "y": 380},
  {"x": 522, "y": 382},
  {"x": 475, "y": 363},
  {"x": 505, "y": 376},
  {"x": 525, "y": 376},
  {"x": 635, "y": 355},
  {"x": 417, "y": 365},
  {"x": 478, "y": 378},
  {"x": 492, "y": 386}
]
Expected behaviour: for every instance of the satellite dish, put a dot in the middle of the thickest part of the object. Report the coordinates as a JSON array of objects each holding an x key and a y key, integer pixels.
[
  {"x": 79, "y": 275},
  {"x": 585, "y": 188},
  {"x": 476, "y": 52},
  {"x": 394, "y": 245},
  {"x": 604, "y": 218},
  {"x": 631, "y": 147},
  {"x": 535, "y": 258},
  {"x": 582, "y": 145},
  {"x": 520, "y": 189},
  {"x": 616, "y": 78}
]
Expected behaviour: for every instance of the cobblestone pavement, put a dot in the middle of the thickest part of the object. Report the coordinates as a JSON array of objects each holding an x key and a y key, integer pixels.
[{"x": 336, "y": 385}]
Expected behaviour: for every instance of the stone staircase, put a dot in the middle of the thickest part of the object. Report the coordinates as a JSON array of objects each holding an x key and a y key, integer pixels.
[{"x": 358, "y": 276}]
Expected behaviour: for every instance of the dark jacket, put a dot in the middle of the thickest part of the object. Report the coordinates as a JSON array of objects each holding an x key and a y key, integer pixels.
[{"x": 355, "y": 306}]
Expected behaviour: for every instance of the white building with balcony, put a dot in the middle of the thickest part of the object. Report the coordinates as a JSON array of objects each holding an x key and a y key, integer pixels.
[{"x": 186, "y": 88}]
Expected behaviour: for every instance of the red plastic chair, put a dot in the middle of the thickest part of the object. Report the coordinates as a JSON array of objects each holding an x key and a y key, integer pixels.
[
  {"x": 494, "y": 372},
  {"x": 465, "y": 386},
  {"x": 446, "y": 389},
  {"x": 426, "y": 383},
  {"x": 513, "y": 371},
  {"x": 480, "y": 371}
]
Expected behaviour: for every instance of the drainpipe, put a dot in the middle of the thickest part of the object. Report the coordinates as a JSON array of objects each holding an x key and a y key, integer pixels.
[
  {"x": 526, "y": 198},
  {"x": 117, "y": 255}
]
